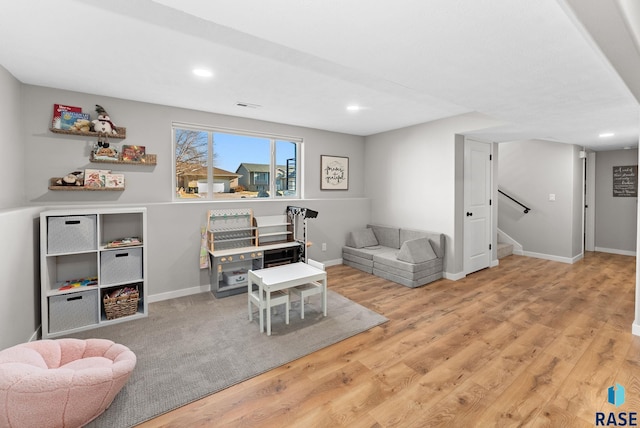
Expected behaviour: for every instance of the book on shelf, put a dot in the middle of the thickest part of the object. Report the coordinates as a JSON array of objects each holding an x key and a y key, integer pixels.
[
  {"x": 95, "y": 178},
  {"x": 57, "y": 113},
  {"x": 105, "y": 153},
  {"x": 133, "y": 153},
  {"x": 114, "y": 180},
  {"x": 123, "y": 242},
  {"x": 68, "y": 119}
]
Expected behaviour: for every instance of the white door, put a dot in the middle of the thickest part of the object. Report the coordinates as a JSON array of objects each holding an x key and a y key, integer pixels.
[{"x": 477, "y": 205}]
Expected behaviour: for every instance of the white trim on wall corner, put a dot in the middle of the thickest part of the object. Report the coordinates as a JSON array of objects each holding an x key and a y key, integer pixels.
[
  {"x": 614, "y": 251},
  {"x": 453, "y": 276},
  {"x": 578, "y": 258},
  {"x": 635, "y": 328},
  {"x": 36, "y": 334}
]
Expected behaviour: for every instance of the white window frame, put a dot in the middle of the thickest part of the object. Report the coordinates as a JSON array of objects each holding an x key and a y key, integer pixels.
[{"x": 273, "y": 138}]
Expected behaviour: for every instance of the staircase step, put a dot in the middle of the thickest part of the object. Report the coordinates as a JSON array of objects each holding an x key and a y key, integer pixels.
[{"x": 504, "y": 249}]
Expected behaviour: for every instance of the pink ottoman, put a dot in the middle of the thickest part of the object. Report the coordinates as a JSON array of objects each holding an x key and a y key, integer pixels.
[{"x": 61, "y": 383}]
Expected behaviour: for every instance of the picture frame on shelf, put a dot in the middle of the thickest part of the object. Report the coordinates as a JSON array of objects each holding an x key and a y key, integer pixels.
[{"x": 334, "y": 172}]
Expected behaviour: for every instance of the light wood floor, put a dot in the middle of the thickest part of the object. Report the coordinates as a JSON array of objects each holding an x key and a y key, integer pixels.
[{"x": 528, "y": 343}]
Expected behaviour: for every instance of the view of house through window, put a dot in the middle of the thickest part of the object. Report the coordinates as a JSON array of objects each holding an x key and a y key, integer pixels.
[{"x": 220, "y": 165}]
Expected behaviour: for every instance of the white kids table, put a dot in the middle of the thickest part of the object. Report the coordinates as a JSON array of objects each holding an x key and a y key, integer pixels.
[{"x": 282, "y": 277}]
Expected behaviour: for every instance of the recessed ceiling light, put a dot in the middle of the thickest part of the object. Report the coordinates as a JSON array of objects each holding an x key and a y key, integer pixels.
[
  {"x": 354, "y": 108},
  {"x": 202, "y": 72},
  {"x": 606, "y": 134}
]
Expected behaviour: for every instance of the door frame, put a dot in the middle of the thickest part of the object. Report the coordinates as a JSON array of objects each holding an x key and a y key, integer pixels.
[
  {"x": 589, "y": 203},
  {"x": 491, "y": 216}
]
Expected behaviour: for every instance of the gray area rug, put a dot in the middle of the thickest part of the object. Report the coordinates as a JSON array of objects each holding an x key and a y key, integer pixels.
[{"x": 191, "y": 347}]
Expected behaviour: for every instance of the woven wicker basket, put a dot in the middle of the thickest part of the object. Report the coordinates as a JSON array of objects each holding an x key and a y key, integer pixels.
[{"x": 122, "y": 306}]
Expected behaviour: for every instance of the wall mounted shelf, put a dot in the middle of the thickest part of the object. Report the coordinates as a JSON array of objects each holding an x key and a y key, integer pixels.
[
  {"x": 54, "y": 186},
  {"x": 150, "y": 160},
  {"x": 121, "y": 133}
]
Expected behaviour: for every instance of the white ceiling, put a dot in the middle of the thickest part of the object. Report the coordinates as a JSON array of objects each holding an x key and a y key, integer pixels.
[{"x": 530, "y": 65}]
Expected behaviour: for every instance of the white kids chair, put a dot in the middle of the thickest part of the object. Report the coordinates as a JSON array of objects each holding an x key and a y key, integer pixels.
[{"x": 309, "y": 289}]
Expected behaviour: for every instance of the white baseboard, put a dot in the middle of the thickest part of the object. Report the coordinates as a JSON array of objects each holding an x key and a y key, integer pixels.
[
  {"x": 568, "y": 260},
  {"x": 615, "y": 251},
  {"x": 635, "y": 328},
  {"x": 204, "y": 288},
  {"x": 178, "y": 293}
]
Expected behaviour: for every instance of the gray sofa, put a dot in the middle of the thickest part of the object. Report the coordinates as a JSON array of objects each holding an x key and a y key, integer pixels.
[{"x": 408, "y": 257}]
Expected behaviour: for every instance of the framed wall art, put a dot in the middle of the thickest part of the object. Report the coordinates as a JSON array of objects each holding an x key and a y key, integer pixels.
[
  {"x": 334, "y": 173},
  {"x": 625, "y": 181}
]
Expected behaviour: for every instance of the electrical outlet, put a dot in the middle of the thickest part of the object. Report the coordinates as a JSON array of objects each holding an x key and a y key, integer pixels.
[{"x": 324, "y": 246}]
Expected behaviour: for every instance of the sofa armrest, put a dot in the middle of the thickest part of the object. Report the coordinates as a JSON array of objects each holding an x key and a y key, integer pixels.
[
  {"x": 440, "y": 250},
  {"x": 437, "y": 239}
]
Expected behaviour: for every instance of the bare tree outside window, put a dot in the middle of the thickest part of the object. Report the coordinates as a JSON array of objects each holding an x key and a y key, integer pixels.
[{"x": 191, "y": 159}]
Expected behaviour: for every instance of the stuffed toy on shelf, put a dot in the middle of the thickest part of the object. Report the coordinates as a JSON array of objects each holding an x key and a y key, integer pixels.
[
  {"x": 103, "y": 123},
  {"x": 75, "y": 178}
]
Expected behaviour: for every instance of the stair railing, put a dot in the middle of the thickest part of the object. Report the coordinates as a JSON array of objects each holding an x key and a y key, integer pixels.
[{"x": 526, "y": 208}]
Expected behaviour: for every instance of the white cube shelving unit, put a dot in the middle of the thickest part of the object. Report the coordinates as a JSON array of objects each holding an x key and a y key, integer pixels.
[{"x": 73, "y": 246}]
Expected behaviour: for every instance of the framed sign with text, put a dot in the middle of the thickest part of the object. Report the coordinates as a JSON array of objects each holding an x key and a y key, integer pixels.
[
  {"x": 625, "y": 181},
  {"x": 334, "y": 173}
]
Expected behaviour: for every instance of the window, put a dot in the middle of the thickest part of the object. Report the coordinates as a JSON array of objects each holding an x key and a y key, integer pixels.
[{"x": 218, "y": 164}]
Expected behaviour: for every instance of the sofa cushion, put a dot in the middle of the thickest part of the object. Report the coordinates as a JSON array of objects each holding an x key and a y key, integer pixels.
[
  {"x": 407, "y": 282},
  {"x": 357, "y": 259},
  {"x": 408, "y": 270},
  {"x": 364, "y": 268},
  {"x": 387, "y": 236},
  {"x": 362, "y": 238},
  {"x": 389, "y": 260},
  {"x": 368, "y": 252},
  {"x": 437, "y": 239},
  {"x": 416, "y": 251}
]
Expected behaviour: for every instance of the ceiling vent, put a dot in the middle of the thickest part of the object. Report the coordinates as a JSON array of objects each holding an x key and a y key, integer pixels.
[{"x": 247, "y": 105}]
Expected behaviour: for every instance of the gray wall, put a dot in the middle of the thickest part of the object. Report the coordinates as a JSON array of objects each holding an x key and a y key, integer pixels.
[
  {"x": 19, "y": 273},
  {"x": 615, "y": 223},
  {"x": 150, "y": 125},
  {"x": 530, "y": 171},
  {"x": 12, "y": 161},
  {"x": 413, "y": 179},
  {"x": 173, "y": 227}
]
